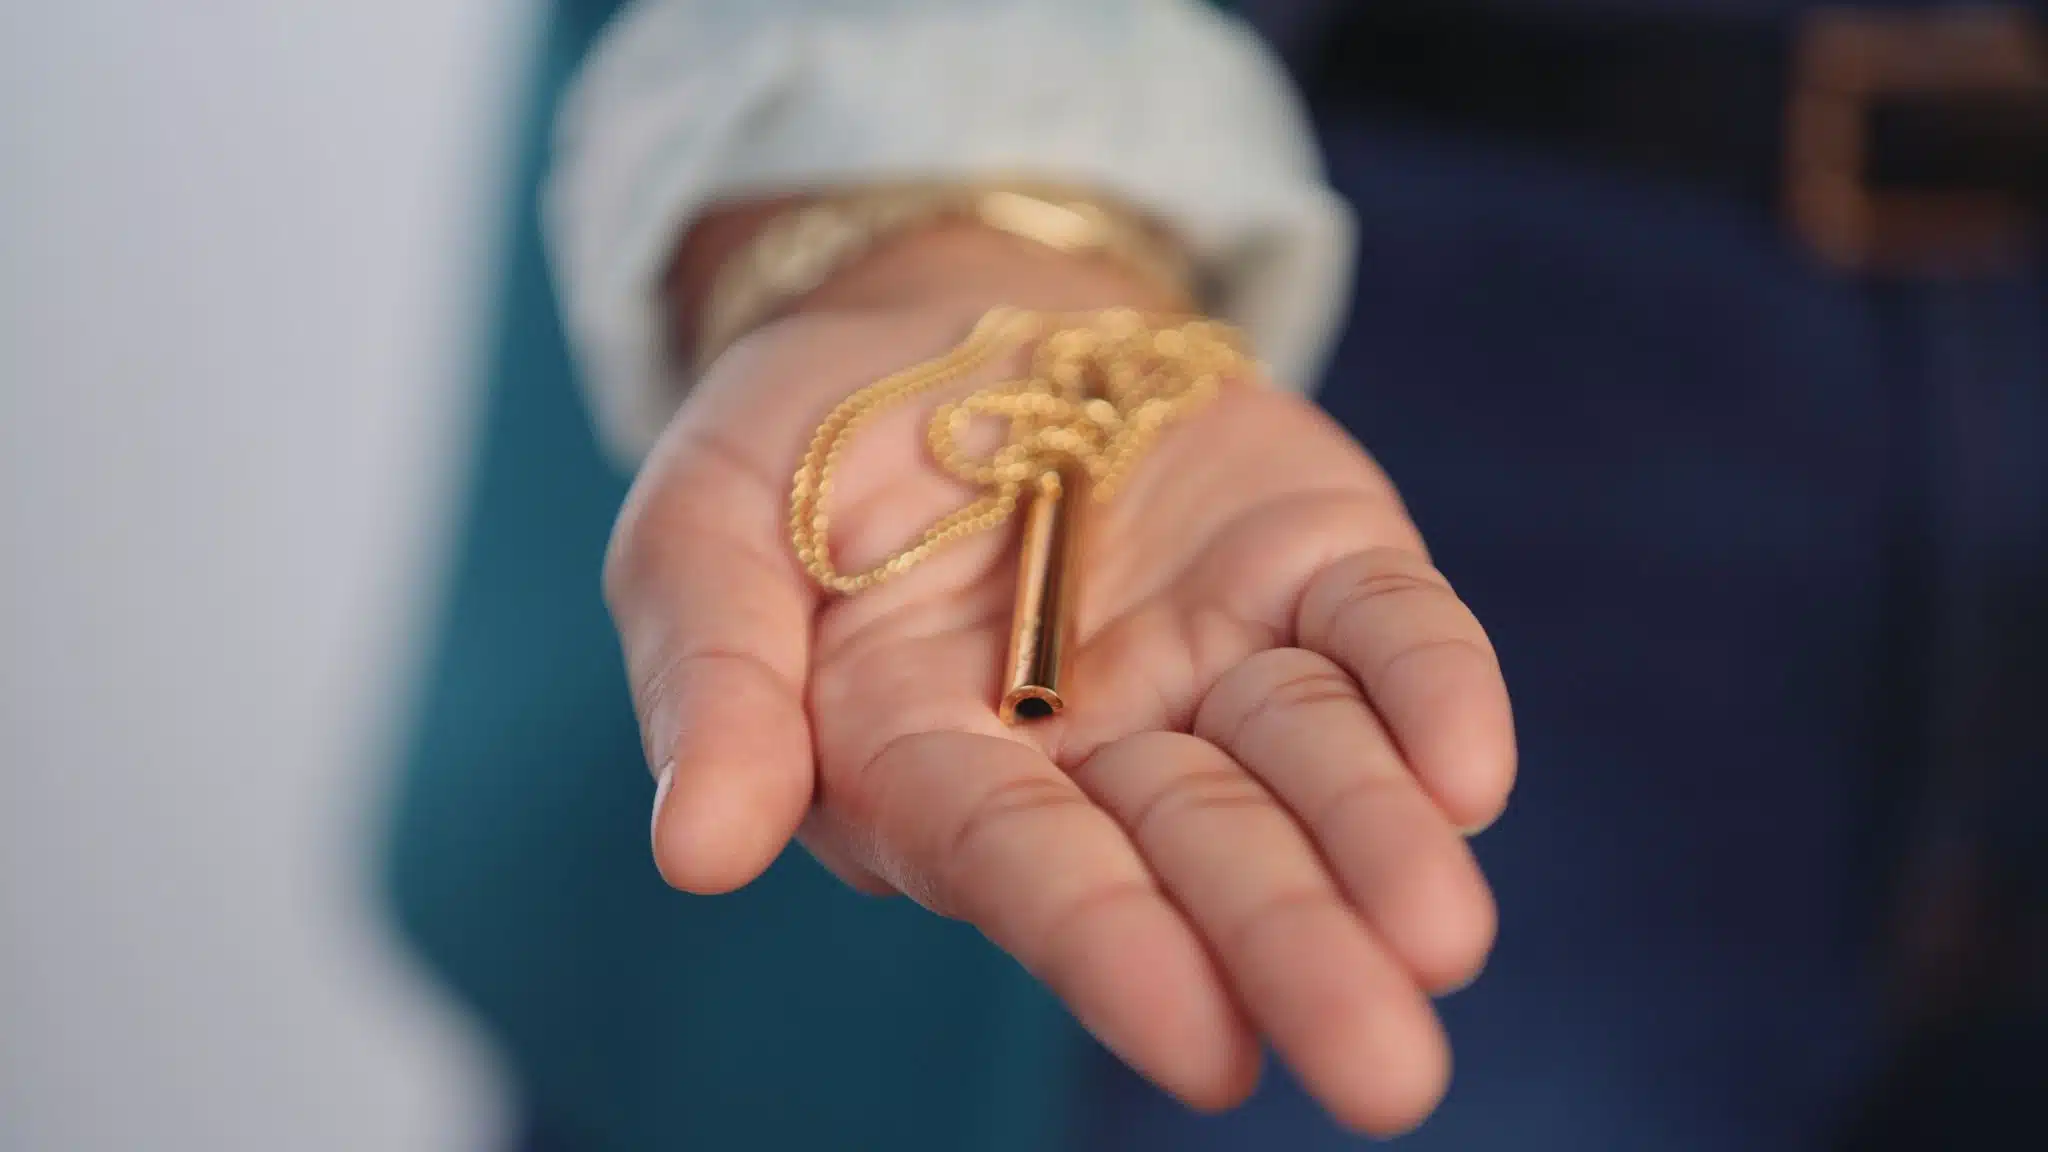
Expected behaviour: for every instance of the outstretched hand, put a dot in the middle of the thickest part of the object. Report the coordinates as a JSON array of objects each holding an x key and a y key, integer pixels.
[{"x": 1247, "y": 822}]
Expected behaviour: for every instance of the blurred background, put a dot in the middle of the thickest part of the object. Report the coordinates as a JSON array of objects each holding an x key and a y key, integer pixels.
[
  {"x": 244, "y": 254},
  {"x": 249, "y": 258}
]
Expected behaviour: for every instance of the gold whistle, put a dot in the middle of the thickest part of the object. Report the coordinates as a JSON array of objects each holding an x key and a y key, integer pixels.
[
  {"x": 1101, "y": 387},
  {"x": 1042, "y": 623}
]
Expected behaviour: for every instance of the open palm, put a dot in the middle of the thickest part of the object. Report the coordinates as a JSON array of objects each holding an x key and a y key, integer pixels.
[{"x": 1246, "y": 822}]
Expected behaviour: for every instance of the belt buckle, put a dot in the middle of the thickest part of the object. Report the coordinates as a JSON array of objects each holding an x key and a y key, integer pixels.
[{"x": 1844, "y": 62}]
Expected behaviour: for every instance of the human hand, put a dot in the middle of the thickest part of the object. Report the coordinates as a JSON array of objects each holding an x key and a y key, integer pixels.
[{"x": 1246, "y": 821}]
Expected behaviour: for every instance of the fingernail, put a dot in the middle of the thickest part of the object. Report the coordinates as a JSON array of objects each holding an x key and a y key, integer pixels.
[{"x": 661, "y": 783}]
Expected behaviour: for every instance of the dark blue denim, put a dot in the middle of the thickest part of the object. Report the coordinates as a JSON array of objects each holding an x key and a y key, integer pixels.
[{"x": 1765, "y": 553}]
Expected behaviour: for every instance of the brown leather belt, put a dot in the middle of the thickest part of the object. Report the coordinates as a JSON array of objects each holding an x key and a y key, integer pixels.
[{"x": 1898, "y": 140}]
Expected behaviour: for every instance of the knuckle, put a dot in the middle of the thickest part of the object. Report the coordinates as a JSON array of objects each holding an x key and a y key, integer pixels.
[
  {"x": 688, "y": 493},
  {"x": 1272, "y": 915},
  {"x": 874, "y": 783},
  {"x": 1275, "y": 683},
  {"x": 1024, "y": 798},
  {"x": 1378, "y": 579},
  {"x": 709, "y": 457},
  {"x": 669, "y": 677},
  {"x": 659, "y": 681},
  {"x": 1071, "y": 921},
  {"x": 1202, "y": 791},
  {"x": 1098, "y": 771},
  {"x": 652, "y": 532},
  {"x": 875, "y": 802},
  {"x": 666, "y": 692},
  {"x": 864, "y": 795},
  {"x": 1454, "y": 647},
  {"x": 1365, "y": 789}
]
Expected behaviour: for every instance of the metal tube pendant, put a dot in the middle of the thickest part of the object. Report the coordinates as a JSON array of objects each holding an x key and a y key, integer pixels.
[{"x": 1042, "y": 623}]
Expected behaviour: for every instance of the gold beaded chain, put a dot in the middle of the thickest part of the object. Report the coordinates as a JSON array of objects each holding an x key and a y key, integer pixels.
[{"x": 1101, "y": 387}]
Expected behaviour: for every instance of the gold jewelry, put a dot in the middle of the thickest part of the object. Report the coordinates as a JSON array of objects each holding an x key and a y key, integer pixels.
[
  {"x": 797, "y": 251},
  {"x": 1101, "y": 388}
]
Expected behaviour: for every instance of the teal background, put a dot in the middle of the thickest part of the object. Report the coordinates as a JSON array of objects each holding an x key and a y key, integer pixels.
[{"x": 792, "y": 1015}]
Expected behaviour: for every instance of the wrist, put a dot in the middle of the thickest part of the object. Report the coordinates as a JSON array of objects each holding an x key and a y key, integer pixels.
[
  {"x": 964, "y": 266},
  {"x": 955, "y": 263}
]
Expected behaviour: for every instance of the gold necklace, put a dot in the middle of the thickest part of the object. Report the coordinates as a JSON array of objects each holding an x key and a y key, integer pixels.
[{"x": 1100, "y": 389}]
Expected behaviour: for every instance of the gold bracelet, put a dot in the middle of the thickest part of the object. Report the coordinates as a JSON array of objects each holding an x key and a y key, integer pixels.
[{"x": 800, "y": 249}]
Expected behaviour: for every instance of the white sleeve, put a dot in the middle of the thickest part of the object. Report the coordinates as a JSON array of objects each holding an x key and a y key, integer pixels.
[{"x": 1167, "y": 103}]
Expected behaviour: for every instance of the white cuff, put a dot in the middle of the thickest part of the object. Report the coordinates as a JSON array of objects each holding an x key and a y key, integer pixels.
[{"x": 1173, "y": 107}]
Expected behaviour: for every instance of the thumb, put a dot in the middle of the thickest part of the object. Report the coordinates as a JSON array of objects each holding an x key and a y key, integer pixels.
[{"x": 714, "y": 618}]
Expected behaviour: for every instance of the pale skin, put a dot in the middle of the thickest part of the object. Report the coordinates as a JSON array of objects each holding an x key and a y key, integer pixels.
[{"x": 1249, "y": 824}]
